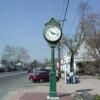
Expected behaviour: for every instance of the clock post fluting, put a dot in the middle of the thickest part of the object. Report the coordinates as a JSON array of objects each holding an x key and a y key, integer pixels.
[{"x": 52, "y": 34}]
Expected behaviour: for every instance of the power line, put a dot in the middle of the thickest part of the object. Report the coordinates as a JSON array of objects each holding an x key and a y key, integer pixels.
[
  {"x": 65, "y": 13},
  {"x": 56, "y": 7},
  {"x": 59, "y": 69},
  {"x": 53, "y": 8},
  {"x": 88, "y": 1},
  {"x": 62, "y": 9},
  {"x": 57, "y": 15}
]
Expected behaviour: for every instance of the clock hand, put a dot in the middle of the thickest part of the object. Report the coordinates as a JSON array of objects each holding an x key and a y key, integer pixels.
[{"x": 52, "y": 32}]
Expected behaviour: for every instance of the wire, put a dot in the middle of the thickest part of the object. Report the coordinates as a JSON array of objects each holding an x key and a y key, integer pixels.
[
  {"x": 88, "y": 1},
  {"x": 56, "y": 7},
  {"x": 65, "y": 13},
  {"x": 53, "y": 8},
  {"x": 62, "y": 8}
]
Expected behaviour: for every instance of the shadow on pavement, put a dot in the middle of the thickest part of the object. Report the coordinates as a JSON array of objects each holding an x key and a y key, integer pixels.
[
  {"x": 63, "y": 95},
  {"x": 84, "y": 90}
]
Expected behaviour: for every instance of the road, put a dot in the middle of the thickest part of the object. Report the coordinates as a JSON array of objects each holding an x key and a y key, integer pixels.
[{"x": 13, "y": 81}]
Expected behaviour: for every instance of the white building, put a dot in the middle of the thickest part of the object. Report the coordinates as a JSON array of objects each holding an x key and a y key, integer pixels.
[{"x": 82, "y": 56}]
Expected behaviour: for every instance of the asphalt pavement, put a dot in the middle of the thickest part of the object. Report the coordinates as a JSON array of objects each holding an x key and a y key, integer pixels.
[
  {"x": 14, "y": 81},
  {"x": 10, "y": 81}
]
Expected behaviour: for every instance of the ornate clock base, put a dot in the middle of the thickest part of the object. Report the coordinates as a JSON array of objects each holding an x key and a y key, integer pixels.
[{"x": 55, "y": 98}]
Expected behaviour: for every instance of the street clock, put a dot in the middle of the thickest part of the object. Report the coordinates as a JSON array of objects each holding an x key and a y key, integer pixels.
[
  {"x": 52, "y": 31},
  {"x": 52, "y": 34}
]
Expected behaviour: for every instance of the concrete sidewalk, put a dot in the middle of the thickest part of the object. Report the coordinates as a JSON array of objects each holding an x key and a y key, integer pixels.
[{"x": 64, "y": 91}]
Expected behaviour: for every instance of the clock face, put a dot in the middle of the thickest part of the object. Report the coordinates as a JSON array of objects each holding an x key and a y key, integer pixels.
[{"x": 52, "y": 33}]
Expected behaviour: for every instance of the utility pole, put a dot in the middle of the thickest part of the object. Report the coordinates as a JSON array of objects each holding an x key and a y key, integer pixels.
[{"x": 59, "y": 63}]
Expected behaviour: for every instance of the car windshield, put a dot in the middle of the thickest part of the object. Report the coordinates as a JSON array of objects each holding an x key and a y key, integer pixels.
[{"x": 36, "y": 73}]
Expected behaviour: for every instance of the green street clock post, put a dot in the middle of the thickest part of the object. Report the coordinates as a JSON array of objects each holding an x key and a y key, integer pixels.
[{"x": 52, "y": 34}]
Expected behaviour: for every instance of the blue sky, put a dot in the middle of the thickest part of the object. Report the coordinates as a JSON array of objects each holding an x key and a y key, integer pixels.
[{"x": 22, "y": 23}]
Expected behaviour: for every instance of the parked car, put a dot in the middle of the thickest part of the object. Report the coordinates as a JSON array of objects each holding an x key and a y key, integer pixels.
[
  {"x": 46, "y": 70},
  {"x": 41, "y": 76},
  {"x": 31, "y": 76},
  {"x": 1, "y": 70}
]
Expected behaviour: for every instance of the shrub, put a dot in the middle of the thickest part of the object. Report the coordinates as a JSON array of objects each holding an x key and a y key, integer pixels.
[{"x": 97, "y": 97}]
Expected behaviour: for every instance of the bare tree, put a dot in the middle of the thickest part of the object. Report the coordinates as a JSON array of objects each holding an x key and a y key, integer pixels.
[
  {"x": 22, "y": 55},
  {"x": 47, "y": 62},
  {"x": 73, "y": 46},
  {"x": 93, "y": 35},
  {"x": 74, "y": 43},
  {"x": 15, "y": 54},
  {"x": 93, "y": 39},
  {"x": 34, "y": 64}
]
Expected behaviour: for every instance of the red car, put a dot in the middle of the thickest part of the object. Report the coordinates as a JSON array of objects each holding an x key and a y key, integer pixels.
[
  {"x": 40, "y": 76},
  {"x": 31, "y": 76}
]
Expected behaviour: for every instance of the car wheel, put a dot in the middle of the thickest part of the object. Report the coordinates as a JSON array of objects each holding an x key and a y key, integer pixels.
[
  {"x": 34, "y": 81},
  {"x": 41, "y": 80}
]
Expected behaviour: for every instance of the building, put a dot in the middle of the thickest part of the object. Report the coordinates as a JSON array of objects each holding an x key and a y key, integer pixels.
[
  {"x": 79, "y": 59},
  {"x": 5, "y": 66}
]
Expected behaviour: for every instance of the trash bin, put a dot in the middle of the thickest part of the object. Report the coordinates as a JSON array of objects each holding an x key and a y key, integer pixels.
[
  {"x": 72, "y": 77},
  {"x": 68, "y": 80}
]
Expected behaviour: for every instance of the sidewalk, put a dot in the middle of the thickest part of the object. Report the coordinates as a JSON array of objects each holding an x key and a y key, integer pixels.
[{"x": 64, "y": 91}]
